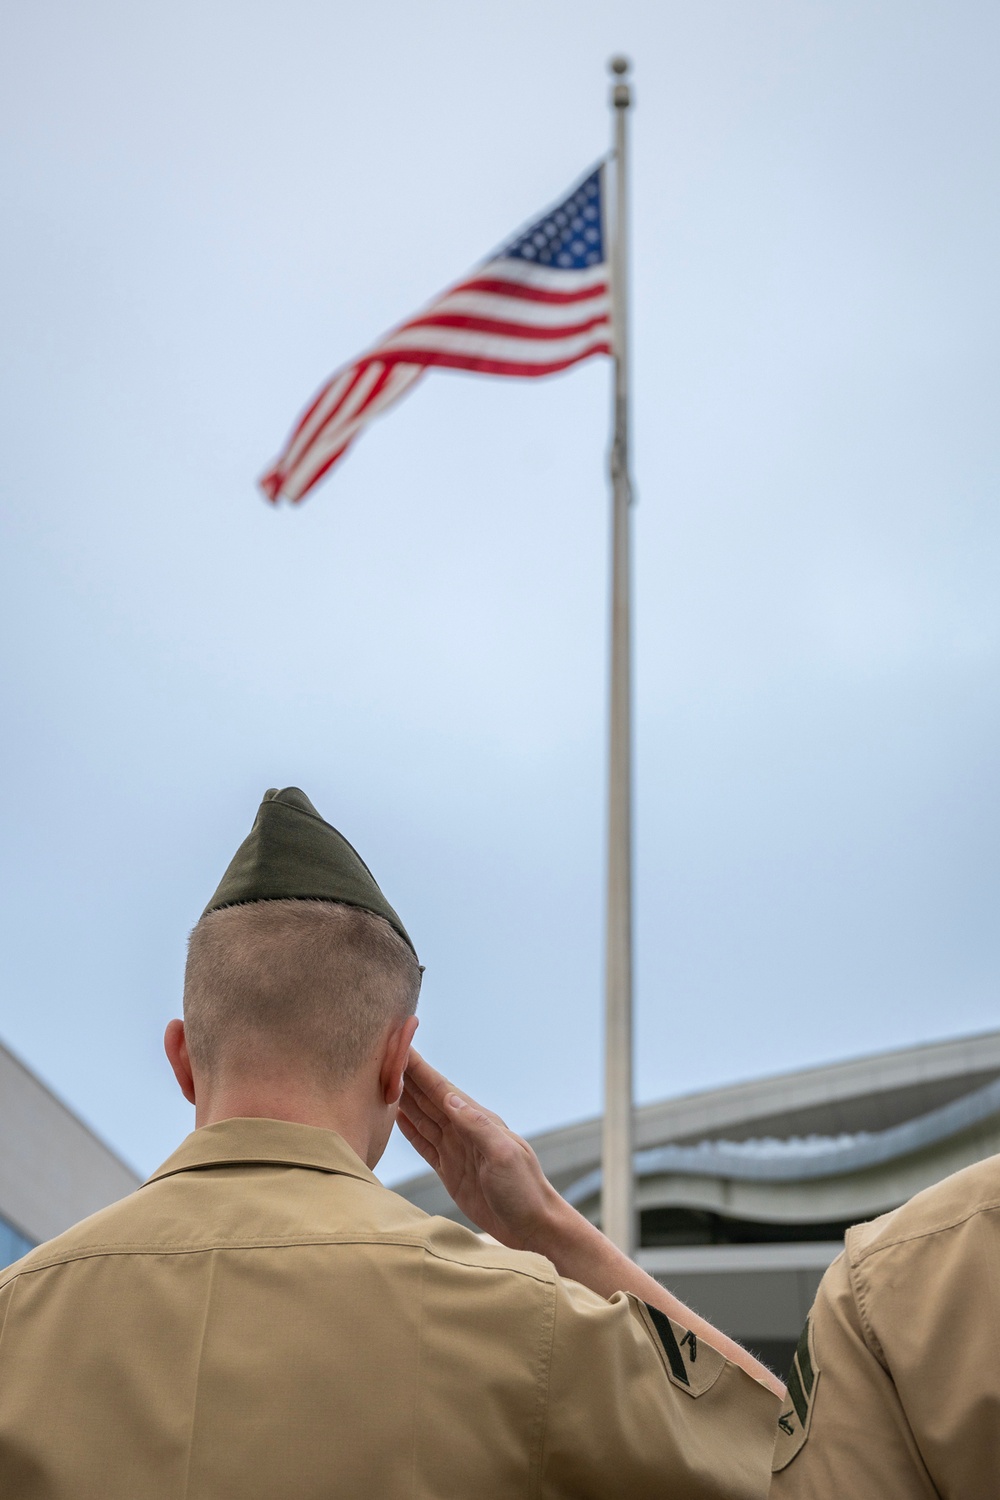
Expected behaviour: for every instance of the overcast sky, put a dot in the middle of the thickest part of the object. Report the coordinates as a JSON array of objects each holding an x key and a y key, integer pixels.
[{"x": 207, "y": 208}]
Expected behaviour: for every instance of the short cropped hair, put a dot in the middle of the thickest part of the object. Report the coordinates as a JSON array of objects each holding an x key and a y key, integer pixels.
[{"x": 310, "y": 984}]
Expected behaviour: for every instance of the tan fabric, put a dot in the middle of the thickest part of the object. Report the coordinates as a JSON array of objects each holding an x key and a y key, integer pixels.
[
  {"x": 263, "y": 1319},
  {"x": 905, "y": 1349}
]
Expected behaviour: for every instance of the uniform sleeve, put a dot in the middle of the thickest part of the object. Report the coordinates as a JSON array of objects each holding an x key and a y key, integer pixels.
[
  {"x": 637, "y": 1406},
  {"x": 843, "y": 1431}
]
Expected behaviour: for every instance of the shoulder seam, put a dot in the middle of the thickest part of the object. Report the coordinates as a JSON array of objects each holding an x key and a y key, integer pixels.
[
  {"x": 922, "y": 1234},
  {"x": 859, "y": 1292},
  {"x": 3, "y": 1320},
  {"x": 546, "y": 1347},
  {"x": 96, "y": 1252}
]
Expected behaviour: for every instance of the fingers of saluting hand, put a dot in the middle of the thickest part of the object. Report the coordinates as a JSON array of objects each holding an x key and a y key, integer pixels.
[
  {"x": 430, "y": 1086},
  {"x": 419, "y": 1142},
  {"x": 420, "y": 1103},
  {"x": 412, "y": 1105},
  {"x": 431, "y": 1089}
]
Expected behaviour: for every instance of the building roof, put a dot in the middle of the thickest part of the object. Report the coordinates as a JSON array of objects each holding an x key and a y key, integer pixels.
[
  {"x": 836, "y": 1143},
  {"x": 53, "y": 1169}
]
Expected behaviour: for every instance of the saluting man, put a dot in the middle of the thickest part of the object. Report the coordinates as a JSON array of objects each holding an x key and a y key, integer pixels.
[{"x": 263, "y": 1319}]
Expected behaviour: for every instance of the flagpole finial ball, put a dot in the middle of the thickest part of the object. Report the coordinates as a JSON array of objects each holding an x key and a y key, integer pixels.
[{"x": 619, "y": 64}]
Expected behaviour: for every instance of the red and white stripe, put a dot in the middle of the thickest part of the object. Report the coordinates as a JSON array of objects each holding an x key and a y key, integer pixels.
[{"x": 509, "y": 318}]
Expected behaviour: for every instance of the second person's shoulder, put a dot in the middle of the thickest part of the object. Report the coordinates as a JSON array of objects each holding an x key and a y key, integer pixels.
[{"x": 946, "y": 1205}]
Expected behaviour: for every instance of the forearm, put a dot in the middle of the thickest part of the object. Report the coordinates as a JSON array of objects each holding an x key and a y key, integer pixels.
[
  {"x": 496, "y": 1179},
  {"x": 579, "y": 1251}
]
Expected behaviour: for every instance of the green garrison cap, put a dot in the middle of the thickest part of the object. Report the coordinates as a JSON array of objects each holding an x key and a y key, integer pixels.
[{"x": 293, "y": 853}]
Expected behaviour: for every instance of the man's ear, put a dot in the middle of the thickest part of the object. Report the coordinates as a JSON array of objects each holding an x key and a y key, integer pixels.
[
  {"x": 397, "y": 1054},
  {"x": 175, "y": 1046}
]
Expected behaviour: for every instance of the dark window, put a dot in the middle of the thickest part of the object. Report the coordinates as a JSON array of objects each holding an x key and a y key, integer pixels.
[
  {"x": 775, "y": 1353},
  {"x": 699, "y": 1226}
]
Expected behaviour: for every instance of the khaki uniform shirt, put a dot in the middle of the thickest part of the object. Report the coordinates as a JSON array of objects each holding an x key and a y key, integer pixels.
[
  {"x": 895, "y": 1389},
  {"x": 264, "y": 1320}
]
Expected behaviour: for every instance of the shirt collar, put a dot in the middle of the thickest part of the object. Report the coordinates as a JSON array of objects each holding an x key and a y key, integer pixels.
[{"x": 264, "y": 1142}]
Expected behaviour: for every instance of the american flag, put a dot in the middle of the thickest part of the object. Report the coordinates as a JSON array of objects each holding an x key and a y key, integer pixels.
[{"x": 539, "y": 305}]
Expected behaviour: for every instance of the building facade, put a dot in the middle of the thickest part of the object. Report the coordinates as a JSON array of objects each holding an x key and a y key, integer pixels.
[
  {"x": 744, "y": 1193},
  {"x": 53, "y": 1170}
]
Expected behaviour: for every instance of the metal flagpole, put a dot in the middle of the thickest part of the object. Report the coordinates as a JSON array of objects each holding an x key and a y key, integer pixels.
[{"x": 617, "y": 1193}]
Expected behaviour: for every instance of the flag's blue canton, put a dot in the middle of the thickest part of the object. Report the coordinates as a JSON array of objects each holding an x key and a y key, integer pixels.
[{"x": 568, "y": 238}]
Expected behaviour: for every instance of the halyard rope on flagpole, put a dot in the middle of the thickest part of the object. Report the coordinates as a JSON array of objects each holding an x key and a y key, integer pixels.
[{"x": 617, "y": 1191}]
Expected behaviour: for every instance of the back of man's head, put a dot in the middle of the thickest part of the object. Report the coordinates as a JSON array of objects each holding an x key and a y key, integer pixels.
[{"x": 302, "y": 985}]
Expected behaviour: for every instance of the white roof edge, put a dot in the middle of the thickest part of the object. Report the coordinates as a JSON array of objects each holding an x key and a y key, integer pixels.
[
  {"x": 53, "y": 1169},
  {"x": 827, "y": 1083},
  {"x": 71, "y": 1113},
  {"x": 569, "y": 1148}
]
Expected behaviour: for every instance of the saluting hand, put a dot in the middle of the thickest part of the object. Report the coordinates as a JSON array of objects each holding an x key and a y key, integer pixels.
[
  {"x": 491, "y": 1173},
  {"x": 497, "y": 1181}
]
